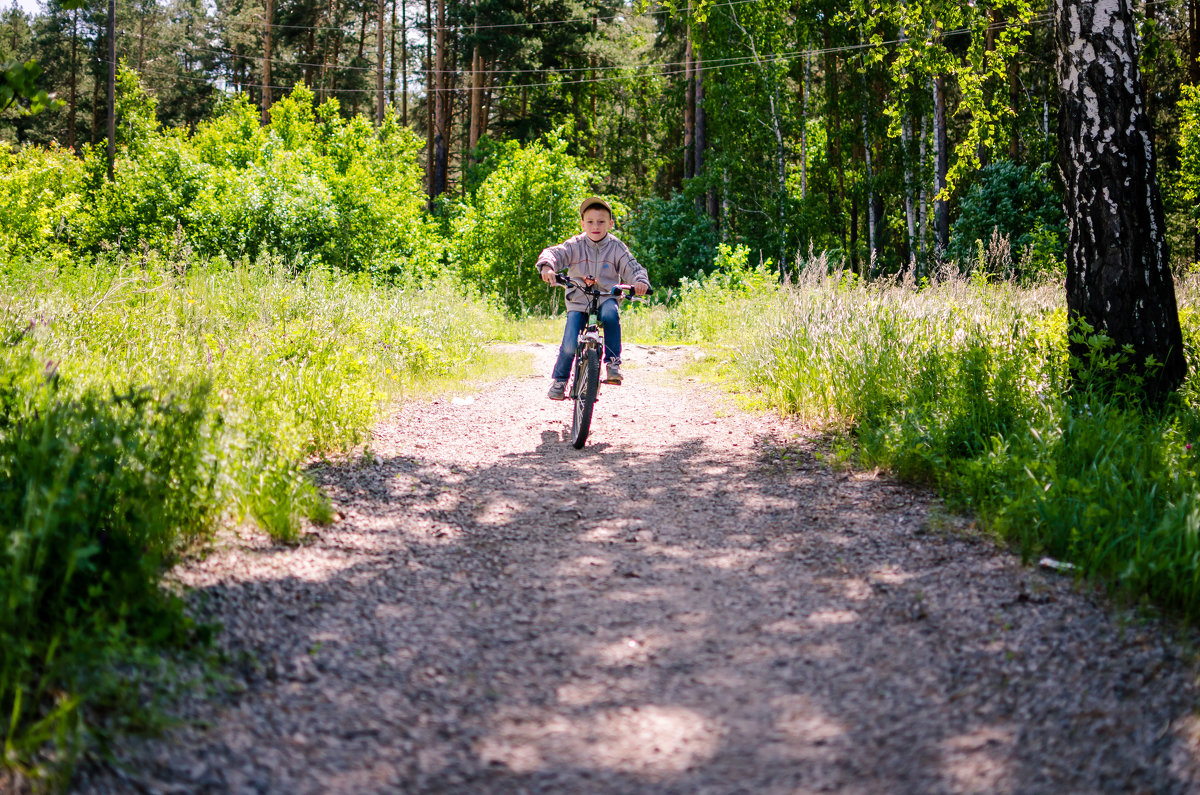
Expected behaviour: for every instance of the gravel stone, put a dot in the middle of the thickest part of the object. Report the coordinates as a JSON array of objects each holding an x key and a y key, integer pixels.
[{"x": 693, "y": 603}]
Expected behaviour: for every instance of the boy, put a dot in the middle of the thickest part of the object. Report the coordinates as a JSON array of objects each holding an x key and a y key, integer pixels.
[{"x": 596, "y": 258}]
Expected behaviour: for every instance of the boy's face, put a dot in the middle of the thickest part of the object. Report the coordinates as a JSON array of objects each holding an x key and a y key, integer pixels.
[{"x": 595, "y": 223}]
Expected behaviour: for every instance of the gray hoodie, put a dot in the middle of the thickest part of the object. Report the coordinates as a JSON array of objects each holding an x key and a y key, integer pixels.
[{"x": 607, "y": 261}]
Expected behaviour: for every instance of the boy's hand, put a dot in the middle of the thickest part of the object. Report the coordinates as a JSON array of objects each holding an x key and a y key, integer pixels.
[
  {"x": 548, "y": 274},
  {"x": 640, "y": 288}
]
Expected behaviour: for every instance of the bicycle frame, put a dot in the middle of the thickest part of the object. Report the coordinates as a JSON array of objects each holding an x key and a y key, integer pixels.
[{"x": 589, "y": 352}]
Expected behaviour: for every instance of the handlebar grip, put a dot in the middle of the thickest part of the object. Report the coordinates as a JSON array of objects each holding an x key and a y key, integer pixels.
[{"x": 629, "y": 291}]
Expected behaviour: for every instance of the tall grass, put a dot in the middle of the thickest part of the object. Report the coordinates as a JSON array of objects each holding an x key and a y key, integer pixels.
[
  {"x": 966, "y": 385},
  {"x": 141, "y": 402}
]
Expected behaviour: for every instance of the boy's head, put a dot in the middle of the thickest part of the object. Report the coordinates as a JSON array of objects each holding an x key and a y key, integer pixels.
[{"x": 595, "y": 218}]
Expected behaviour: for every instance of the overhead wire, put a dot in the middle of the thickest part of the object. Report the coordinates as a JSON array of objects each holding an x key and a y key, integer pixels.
[
  {"x": 533, "y": 23},
  {"x": 659, "y": 69}
]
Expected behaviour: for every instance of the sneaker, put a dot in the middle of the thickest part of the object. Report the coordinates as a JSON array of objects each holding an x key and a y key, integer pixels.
[
  {"x": 612, "y": 373},
  {"x": 558, "y": 391}
]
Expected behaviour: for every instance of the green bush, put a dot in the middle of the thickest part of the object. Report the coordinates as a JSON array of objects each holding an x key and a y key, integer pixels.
[
  {"x": 310, "y": 187},
  {"x": 529, "y": 201},
  {"x": 672, "y": 235},
  {"x": 98, "y": 491},
  {"x": 191, "y": 392},
  {"x": 1023, "y": 210},
  {"x": 724, "y": 306},
  {"x": 41, "y": 197},
  {"x": 967, "y": 386}
]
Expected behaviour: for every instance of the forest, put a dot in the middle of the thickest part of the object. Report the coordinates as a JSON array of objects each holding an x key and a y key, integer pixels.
[
  {"x": 902, "y": 137},
  {"x": 234, "y": 236}
]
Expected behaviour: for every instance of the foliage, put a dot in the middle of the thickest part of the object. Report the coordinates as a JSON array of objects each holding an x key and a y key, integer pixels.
[
  {"x": 18, "y": 84},
  {"x": 1021, "y": 206},
  {"x": 529, "y": 201},
  {"x": 311, "y": 187},
  {"x": 725, "y": 305},
  {"x": 673, "y": 237},
  {"x": 41, "y": 197},
  {"x": 1188, "y": 187},
  {"x": 98, "y": 490},
  {"x": 966, "y": 385},
  {"x": 139, "y": 406}
]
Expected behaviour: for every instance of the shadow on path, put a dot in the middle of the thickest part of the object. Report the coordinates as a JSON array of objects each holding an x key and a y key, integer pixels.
[{"x": 680, "y": 617}]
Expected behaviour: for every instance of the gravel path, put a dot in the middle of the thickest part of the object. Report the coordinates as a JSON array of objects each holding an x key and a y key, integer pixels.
[{"x": 694, "y": 603}]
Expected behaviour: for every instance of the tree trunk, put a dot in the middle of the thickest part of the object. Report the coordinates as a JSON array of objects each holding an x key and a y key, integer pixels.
[
  {"x": 265, "y": 117},
  {"x": 356, "y": 96},
  {"x": 486, "y": 116},
  {"x": 442, "y": 109},
  {"x": 392, "y": 57},
  {"x": 430, "y": 101},
  {"x": 833, "y": 137},
  {"x": 922, "y": 195},
  {"x": 871, "y": 249},
  {"x": 804, "y": 128},
  {"x": 403, "y": 63},
  {"x": 1118, "y": 269},
  {"x": 74, "y": 79},
  {"x": 476, "y": 100},
  {"x": 1194, "y": 79},
  {"x": 705, "y": 202},
  {"x": 382, "y": 64},
  {"x": 910, "y": 216},
  {"x": 112, "y": 86},
  {"x": 689, "y": 101},
  {"x": 96, "y": 114},
  {"x": 310, "y": 67},
  {"x": 1194, "y": 42},
  {"x": 941, "y": 161},
  {"x": 323, "y": 92}
]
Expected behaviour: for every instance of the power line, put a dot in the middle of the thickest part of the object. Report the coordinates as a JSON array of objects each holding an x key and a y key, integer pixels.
[
  {"x": 659, "y": 69},
  {"x": 619, "y": 16}
]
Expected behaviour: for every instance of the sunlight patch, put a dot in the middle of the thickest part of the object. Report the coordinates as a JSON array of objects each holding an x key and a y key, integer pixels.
[
  {"x": 497, "y": 512},
  {"x": 979, "y": 760},
  {"x": 827, "y": 617},
  {"x": 649, "y": 740}
]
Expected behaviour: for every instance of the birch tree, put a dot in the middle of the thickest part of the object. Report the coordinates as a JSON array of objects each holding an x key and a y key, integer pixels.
[{"x": 1118, "y": 276}]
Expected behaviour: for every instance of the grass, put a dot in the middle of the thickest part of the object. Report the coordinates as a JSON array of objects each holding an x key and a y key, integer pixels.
[
  {"x": 966, "y": 385},
  {"x": 142, "y": 403}
]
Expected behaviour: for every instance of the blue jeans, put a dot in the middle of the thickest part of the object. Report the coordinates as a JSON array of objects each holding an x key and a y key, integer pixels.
[{"x": 610, "y": 318}]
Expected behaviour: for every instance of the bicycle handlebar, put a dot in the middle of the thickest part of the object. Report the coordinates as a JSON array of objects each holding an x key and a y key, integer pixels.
[{"x": 618, "y": 290}]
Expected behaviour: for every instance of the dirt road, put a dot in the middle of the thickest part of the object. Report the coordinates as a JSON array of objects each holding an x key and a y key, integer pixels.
[{"x": 694, "y": 603}]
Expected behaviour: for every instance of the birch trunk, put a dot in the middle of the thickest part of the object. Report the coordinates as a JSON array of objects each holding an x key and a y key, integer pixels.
[
  {"x": 1118, "y": 270},
  {"x": 910, "y": 221},
  {"x": 941, "y": 165}
]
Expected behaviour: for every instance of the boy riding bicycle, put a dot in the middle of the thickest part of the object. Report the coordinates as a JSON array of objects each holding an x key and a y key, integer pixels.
[{"x": 596, "y": 258}]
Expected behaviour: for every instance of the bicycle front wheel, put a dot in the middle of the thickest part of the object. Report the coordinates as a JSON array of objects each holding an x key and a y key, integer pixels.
[{"x": 587, "y": 384}]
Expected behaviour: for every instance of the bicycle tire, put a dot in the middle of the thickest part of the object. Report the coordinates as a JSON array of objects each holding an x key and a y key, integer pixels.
[{"x": 587, "y": 384}]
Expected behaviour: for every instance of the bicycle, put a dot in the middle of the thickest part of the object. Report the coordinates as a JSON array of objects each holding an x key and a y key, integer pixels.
[{"x": 584, "y": 385}]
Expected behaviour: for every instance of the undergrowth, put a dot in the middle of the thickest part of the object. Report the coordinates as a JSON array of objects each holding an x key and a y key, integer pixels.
[
  {"x": 144, "y": 402},
  {"x": 966, "y": 385}
]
